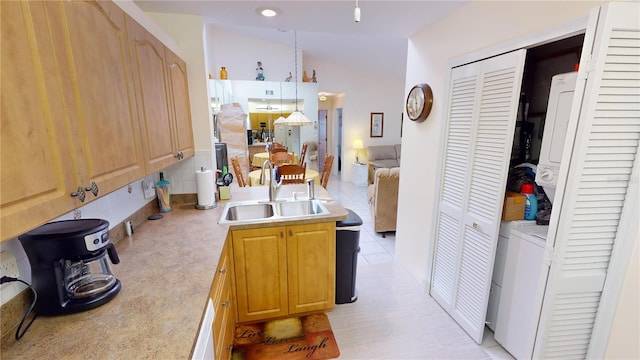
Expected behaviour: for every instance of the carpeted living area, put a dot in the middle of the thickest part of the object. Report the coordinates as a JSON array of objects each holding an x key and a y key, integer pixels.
[{"x": 307, "y": 337}]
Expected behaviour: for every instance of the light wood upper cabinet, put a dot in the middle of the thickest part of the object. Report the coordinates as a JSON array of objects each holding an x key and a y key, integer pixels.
[
  {"x": 37, "y": 173},
  {"x": 72, "y": 120},
  {"x": 91, "y": 48},
  {"x": 284, "y": 270},
  {"x": 152, "y": 90},
  {"x": 179, "y": 91}
]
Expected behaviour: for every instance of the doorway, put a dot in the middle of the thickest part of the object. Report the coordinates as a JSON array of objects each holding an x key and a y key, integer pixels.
[
  {"x": 339, "y": 144},
  {"x": 322, "y": 137}
]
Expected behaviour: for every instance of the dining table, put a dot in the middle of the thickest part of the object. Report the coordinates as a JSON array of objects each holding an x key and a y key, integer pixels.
[
  {"x": 254, "y": 177},
  {"x": 260, "y": 158}
]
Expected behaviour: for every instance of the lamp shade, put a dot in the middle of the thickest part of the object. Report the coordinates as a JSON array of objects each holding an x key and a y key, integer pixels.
[
  {"x": 295, "y": 119},
  {"x": 357, "y": 144}
]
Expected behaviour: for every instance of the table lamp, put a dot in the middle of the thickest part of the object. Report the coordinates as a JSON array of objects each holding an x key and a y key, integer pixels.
[{"x": 358, "y": 145}]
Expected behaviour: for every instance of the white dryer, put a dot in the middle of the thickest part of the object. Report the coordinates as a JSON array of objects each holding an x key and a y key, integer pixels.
[{"x": 523, "y": 284}]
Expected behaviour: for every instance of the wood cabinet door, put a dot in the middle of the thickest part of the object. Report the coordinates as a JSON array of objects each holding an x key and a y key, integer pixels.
[
  {"x": 260, "y": 267},
  {"x": 311, "y": 259},
  {"x": 152, "y": 97},
  {"x": 36, "y": 174},
  {"x": 91, "y": 47},
  {"x": 179, "y": 91}
]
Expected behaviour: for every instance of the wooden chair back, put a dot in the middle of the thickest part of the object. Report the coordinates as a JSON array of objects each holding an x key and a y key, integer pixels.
[
  {"x": 238, "y": 171},
  {"x": 277, "y": 150},
  {"x": 277, "y": 145},
  {"x": 281, "y": 158},
  {"x": 292, "y": 174},
  {"x": 303, "y": 153},
  {"x": 326, "y": 171}
]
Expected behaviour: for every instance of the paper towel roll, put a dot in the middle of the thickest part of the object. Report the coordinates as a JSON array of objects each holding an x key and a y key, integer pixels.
[{"x": 205, "y": 189}]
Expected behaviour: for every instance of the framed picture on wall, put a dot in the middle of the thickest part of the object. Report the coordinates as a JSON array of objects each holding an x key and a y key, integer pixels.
[{"x": 377, "y": 123}]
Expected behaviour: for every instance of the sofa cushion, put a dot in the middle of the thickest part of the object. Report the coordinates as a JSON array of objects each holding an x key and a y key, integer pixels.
[
  {"x": 380, "y": 152},
  {"x": 384, "y": 163}
]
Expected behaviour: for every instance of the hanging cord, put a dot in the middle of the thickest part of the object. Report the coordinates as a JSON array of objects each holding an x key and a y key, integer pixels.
[
  {"x": 295, "y": 43},
  {"x": 6, "y": 279}
]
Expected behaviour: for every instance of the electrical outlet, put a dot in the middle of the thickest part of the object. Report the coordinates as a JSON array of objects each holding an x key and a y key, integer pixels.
[
  {"x": 77, "y": 214},
  {"x": 8, "y": 265},
  {"x": 147, "y": 189}
]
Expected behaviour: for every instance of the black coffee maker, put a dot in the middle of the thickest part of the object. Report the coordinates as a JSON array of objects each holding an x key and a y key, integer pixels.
[{"x": 69, "y": 266}]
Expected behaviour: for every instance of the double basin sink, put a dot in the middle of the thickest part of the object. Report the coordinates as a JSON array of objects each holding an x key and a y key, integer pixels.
[{"x": 257, "y": 211}]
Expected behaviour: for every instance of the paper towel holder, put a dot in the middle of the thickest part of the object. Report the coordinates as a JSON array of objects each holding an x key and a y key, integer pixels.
[{"x": 207, "y": 206}]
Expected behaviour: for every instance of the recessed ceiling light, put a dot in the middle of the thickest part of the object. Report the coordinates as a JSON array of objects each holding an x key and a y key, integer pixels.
[{"x": 267, "y": 12}]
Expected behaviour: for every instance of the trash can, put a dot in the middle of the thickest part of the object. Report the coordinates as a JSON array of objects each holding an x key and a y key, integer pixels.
[{"x": 347, "y": 249}]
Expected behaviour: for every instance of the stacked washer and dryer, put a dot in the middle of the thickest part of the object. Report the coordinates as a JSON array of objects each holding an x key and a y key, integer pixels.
[{"x": 522, "y": 258}]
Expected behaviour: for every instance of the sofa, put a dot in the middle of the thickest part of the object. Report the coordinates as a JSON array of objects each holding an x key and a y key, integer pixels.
[
  {"x": 382, "y": 156},
  {"x": 382, "y": 196}
]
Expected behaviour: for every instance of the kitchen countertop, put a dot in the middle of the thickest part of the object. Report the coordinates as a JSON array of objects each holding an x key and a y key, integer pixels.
[{"x": 166, "y": 269}]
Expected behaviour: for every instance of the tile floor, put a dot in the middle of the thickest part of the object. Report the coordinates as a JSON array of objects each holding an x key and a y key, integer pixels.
[{"x": 394, "y": 317}]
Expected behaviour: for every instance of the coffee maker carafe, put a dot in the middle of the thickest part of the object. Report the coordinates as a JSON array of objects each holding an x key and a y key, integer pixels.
[{"x": 71, "y": 265}]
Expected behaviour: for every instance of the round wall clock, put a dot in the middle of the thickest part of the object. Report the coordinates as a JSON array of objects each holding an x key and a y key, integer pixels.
[{"x": 419, "y": 102}]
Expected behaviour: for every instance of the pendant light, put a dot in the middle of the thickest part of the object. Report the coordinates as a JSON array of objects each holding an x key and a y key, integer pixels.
[{"x": 296, "y": 118}]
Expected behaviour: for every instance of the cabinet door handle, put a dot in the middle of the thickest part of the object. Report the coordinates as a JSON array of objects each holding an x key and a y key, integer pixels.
[
  {"x": 80, "y": 194},
  {"x": 281, "y": 234},
  {"x": 222, "y": 271},
  {"x": 290, "y": 233},
  {"x": 230, "y": 347},
  {"x": 225, "y": 304},
  {"x": 93, "y": 188}
]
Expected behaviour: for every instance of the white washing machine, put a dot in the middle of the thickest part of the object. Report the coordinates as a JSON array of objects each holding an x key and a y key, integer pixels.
[
  {"x": 523, "y": 284},
  {"x": 498, "y": 267}
]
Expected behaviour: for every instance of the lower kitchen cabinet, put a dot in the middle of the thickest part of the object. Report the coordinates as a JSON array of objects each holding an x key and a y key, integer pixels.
[
  {"x": 284, "y": 270},
  {"x": 224, "y": 306}
]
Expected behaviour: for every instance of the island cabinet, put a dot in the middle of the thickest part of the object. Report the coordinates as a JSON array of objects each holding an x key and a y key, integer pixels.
[
  {"x": 284, "y": 270},
  {"x": 69, "y": 128},
  {"x": 224, "y": 319}
]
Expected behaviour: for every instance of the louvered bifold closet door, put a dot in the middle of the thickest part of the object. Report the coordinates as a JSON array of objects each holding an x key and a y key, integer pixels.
[
  {"x": 595, "y": 195},
  {"x": 479, "y": 134}
]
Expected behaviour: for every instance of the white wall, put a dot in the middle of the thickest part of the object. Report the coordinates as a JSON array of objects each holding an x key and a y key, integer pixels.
[
  {"x": 623, "y": 340},
  {"x": 240, "y": 54}
]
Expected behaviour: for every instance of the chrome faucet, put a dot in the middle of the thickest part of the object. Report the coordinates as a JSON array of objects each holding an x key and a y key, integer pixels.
[
  {"x": 273, "y": 186},
  {"x": 311, "y": 191}
]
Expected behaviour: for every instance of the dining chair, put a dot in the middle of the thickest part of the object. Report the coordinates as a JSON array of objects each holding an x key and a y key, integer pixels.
[
  {"x": 292, "y": 174},
  {"x": 303, "y": 153},
  {"x": 238, "y": 170},
  {"x": 277, "y": 150},
  {"x": 280, "y": 158},
  {"x": 326, "y": 171},
  {"x": 277, "y": 145}
]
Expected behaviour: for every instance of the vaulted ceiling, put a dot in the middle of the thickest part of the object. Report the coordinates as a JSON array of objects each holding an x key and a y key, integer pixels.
[{"x": 326, "y": 30}]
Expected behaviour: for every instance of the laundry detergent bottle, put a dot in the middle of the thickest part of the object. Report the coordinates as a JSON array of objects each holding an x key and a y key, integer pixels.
[{"x": 531, "y": 203}]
